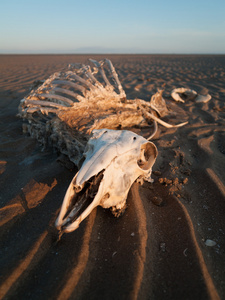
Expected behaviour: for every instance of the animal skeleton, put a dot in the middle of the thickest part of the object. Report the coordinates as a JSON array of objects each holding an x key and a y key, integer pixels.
[{"x": 77, "y": 102}]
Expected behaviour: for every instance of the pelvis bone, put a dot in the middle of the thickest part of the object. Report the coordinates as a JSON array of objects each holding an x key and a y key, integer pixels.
[{"x": 113, "y": 161}]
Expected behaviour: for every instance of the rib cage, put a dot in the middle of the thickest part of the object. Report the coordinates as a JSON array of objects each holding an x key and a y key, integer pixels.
[{"x": 69, "y": 105}]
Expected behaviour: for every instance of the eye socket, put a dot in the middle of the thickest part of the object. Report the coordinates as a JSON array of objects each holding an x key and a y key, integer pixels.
[{"x": 147, "y": 156}]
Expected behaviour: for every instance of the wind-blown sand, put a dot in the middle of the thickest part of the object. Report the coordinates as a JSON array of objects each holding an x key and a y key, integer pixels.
[{"x": 157, "y": 249}]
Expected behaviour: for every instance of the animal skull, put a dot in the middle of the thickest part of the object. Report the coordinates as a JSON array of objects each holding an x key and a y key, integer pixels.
[{"x": 114, "y": 159}]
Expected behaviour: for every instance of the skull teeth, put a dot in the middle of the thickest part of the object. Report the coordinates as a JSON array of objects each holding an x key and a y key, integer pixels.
[{"x": 82, "y": 198}]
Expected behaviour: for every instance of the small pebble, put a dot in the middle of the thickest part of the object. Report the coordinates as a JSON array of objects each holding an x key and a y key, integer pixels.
[
  {"x": 210, "y": 243},
  {"x": 162, "y": 247},
  {"x": 185, "y": 180},
  {"x": 157, "y": 201},
  {"x": 114, "y": 253},
  {"x": 161, "y": 180},
  {"x": 168, "y": 181},
  {"x": 175, "y": 181},
  {"x": 157, "y": 173},
  {"x": 185, "y": 252}
]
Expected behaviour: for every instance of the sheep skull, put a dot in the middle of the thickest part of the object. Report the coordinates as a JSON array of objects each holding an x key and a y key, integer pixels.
[{"x": 114, "y": 159}]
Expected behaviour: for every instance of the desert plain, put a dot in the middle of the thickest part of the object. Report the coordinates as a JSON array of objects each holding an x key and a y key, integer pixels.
[{"x": 170, "y": 242}]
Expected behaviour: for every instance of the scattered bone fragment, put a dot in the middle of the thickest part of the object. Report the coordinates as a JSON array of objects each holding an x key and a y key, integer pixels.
[
  {"x": 184, "y": 94},
  {"x": 158, "y": 104},
  {"x": 203, "y": 98}
]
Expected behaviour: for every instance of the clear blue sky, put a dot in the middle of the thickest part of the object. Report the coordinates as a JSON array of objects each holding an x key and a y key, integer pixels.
[{"x": 116, "y": 26}]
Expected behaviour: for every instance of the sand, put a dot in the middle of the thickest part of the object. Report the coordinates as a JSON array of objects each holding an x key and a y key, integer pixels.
[{"x": 160, "y": 248}]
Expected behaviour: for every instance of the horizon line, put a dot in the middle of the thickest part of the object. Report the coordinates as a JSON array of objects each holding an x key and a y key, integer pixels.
[{"x": 112, "y": 53}]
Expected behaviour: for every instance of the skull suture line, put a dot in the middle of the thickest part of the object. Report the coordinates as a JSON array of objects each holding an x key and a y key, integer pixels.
[{"x": 114, "y": 160}]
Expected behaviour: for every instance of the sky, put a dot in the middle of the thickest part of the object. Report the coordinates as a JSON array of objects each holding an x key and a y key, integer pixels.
[{"x": 117, "y": 26}]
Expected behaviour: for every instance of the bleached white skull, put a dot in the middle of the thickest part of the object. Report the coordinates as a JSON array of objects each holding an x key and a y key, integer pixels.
[{"x": 114, "y": 159}]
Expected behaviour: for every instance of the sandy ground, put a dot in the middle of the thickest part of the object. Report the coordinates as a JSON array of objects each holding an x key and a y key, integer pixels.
[{"x": 157, "y": 249}]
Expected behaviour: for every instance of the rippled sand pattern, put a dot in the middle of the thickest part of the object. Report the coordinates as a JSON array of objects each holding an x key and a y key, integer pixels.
[{"x": 157, "y": 249}]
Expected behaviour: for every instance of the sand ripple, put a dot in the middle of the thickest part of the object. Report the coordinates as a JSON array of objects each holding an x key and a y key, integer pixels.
[{"x": 158, "y": 249}]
